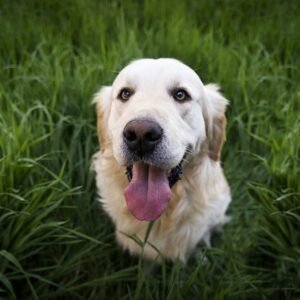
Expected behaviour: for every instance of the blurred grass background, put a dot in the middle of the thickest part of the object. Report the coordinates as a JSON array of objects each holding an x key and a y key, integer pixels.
[{"x": 55, "y": 241}]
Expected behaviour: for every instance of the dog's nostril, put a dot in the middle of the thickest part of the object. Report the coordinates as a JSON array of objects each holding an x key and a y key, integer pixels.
[
  {"x": 152, "y": 136},
  {"x": 130, "y": 135}
]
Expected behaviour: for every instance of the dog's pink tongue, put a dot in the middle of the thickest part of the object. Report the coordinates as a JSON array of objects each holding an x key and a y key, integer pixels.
[{"x": 148, "y": 193}]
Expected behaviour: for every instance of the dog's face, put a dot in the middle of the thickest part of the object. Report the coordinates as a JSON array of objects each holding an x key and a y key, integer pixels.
[{"x": 156, "y": 113}]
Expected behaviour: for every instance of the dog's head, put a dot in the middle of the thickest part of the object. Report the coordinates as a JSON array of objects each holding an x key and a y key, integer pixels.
[{"x": 156, "y": 113}]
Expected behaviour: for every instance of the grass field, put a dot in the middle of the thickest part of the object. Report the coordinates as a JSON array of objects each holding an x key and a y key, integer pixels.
[{"x": 55, "y": 241}]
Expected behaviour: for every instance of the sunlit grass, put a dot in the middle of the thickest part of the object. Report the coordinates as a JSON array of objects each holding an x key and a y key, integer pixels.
[{"x": 55, "y": 241}]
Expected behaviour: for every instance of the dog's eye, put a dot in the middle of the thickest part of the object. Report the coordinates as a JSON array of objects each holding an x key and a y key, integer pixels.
[
  {"x": 125, "y": 94},
  {"x": 180, "y": 95}
]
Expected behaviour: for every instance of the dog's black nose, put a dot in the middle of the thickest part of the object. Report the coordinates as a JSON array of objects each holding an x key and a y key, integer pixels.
[{"x": 142, "y": 135}]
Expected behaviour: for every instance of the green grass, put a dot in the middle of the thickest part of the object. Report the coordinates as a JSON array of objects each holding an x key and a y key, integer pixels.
[{"x": 55, "y": 241}]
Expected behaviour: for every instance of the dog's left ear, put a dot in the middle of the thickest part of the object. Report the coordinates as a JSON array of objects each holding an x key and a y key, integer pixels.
[
  {"x": 103, "y": 103},
  {"x": 214, "y": 115}
]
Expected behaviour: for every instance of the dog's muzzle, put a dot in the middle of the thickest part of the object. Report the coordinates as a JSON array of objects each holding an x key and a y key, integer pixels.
[
  {"x": 142, "y": 136},
  {"x": 149, "y": 189}
]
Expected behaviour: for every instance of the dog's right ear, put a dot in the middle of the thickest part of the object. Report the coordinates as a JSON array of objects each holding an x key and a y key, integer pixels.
[{"x": 103, "y": 104}]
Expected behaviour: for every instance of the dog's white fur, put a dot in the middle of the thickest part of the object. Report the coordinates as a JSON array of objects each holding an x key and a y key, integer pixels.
[{"x": 200, "y": 199}]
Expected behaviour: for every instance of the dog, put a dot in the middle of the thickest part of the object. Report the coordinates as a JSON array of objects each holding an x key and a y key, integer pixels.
[{"x": 161, "y": 132}]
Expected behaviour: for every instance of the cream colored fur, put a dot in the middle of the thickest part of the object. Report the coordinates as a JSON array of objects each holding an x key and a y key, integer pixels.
[{"x": 200, "y": 199}]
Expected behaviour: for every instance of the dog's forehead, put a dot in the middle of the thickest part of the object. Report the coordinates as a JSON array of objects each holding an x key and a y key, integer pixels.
[{"x": 157, "y": 71}]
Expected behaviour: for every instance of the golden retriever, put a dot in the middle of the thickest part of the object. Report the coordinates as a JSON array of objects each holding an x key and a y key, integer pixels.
[{"x": 161, "y": 132}]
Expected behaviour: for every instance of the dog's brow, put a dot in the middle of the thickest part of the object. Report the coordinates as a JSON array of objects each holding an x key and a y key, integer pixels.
[
  {"x": 126, "y": 84},
  {"x": 174, "y": 84},
  {"x": 130, "y": 84},
  {"x": 178, "y": 85}
]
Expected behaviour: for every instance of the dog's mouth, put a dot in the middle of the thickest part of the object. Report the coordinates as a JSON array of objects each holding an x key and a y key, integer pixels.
[
  {"x": 173, "y": 176},
  {"x": 149, "y": 190}
]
